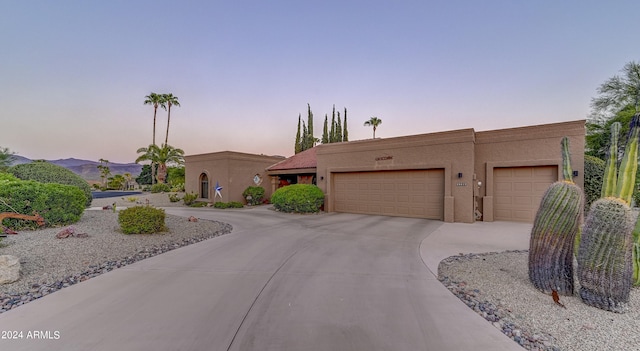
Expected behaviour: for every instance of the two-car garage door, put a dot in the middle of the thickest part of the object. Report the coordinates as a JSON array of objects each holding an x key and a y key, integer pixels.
[{"x": 407, "y": 193}]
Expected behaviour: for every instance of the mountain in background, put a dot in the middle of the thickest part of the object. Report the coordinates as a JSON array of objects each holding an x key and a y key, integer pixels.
[{"x": 87, "y": 169}]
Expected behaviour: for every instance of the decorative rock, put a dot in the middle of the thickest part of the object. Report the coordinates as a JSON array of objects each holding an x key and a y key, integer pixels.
[
  {"x": 193, "y": 219},
  {"x": 9, "y": 269}
]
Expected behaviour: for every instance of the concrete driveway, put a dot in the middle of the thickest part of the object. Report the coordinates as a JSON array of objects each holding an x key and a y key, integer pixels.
[{"x": 278, "y": 282}]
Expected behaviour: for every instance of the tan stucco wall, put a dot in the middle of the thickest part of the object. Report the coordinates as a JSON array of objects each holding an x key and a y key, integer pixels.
[
  {"x": 234, "y": 171},
  {"x": 452, "y": 151},
  {"x": 526, "y": 146}
]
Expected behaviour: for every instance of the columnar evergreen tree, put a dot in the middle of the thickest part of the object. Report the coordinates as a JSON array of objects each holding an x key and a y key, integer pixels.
[
  {"x": 305, "y": 137},
  {"x": 345, "y": 134},
  {"x": 332, "y": 133},
  {"x": 309, "y": 121},
  {"x": 338, "y": 129},
  {"x": 298, "y": 147},
  {"x": 325, "y": 131}
]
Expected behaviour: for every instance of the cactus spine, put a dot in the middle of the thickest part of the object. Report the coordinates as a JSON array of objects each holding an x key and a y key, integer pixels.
[
  {"x": 605, "y": 268},
  {"x": 554, "y": 230}
]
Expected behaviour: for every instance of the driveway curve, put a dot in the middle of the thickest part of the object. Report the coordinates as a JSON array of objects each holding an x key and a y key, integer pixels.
[{"x": 277, "y": 282}]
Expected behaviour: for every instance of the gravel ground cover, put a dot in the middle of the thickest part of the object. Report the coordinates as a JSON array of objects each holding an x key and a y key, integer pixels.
[
  {"x": 49, "y": 264},
  {"x": 496, "y": 286}
]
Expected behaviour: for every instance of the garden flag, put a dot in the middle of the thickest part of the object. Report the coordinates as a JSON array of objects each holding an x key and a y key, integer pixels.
[{"x": 218, "y": 188}]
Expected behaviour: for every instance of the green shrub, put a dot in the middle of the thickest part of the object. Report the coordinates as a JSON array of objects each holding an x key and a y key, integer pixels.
[
  {"x": 299, "y": 198},
  {"x": 160, "y": 188},
  {"x": 45, "y": 172},
  {"x": 593, "y": 176},
  {"x": 141, "y": 220},
  {"x": 256, "y": 193},
  {"x": 174, "y": 198},
  {"x": 232, "y": 204},
  {"x": 58, "y": 204},
  {"x": 189, "y": 198}
]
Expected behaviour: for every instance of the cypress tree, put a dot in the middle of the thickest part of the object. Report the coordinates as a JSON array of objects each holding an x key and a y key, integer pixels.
[
  {"x": 305, "y": 137},
  {"x": 298, "y": 145},
  {"x": 332, "y": 134},
  {"x": 325, "y": 132},
  {"x": 310, "y": 124},
  {"x": 339, "y": 129},
  {"x": 345, "y": 134}
]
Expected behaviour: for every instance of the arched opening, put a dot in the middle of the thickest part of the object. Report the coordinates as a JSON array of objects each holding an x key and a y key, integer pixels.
[{"x": 204, "y": 186}]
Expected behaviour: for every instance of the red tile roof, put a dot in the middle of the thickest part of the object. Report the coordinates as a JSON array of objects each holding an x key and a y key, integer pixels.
[{"x": 304, "y": 159}]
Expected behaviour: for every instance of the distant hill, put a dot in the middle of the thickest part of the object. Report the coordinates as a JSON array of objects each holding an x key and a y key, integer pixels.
[{"x": 87, "y": 169}]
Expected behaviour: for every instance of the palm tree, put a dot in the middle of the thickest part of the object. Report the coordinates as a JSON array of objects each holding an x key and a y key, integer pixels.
[
  {"x": 6, "y": 158},
  {"x": 162, "y": 155},
  {"x": 157, "y": 100},
  {"x": 170, "y": 100},
  {"x": 373, "y": 122}
]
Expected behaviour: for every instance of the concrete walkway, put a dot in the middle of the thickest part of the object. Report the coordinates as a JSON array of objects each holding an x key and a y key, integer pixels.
[{"x": 279, "y": 282}]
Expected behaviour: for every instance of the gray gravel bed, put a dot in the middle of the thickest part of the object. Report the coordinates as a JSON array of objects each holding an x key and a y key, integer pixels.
[
  {"x": 496, "y": 286},
  {"x": 49, "y": 263}
]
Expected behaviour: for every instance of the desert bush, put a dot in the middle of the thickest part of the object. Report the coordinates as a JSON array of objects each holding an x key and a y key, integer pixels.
[
  {"x": 256, "y": 193},
  {"x": 58, "y": 204},
  {"x": 199, "y": 204},
  {"x": 45, "y": 172},
  {"x": 174, "y": 198},
  {"x": 160, "y": 188},
  {"x": 232, "y": 204},
  {"x": 189, "y": 198},
  {"x": 299, "y": 198},
  {"x": 141, "y": 220}
]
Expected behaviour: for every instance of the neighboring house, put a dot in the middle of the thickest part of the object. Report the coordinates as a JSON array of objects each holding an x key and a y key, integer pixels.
[
  {"x": 233, "y": 171},
  {"x": 454, "y": 176}
]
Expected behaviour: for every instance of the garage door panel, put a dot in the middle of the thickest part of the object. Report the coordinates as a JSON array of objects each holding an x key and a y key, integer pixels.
[
  {"x": 518, "y": 191},
  {"x": 414, "y": 193}
]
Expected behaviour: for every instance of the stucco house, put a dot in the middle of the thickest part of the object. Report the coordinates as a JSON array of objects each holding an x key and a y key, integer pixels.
[{"x": 453, "y": 176}]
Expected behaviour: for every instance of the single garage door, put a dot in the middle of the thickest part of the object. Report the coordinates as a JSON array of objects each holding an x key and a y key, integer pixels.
[
  {"x": 411, "y": 193},
  {"x": 518, "y": 191}
]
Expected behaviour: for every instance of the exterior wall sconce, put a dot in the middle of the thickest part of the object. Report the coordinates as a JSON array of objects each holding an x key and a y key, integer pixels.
[
  {"x": 321, "y": 177},
  {"x": 575, "y": 173},
  {"x": 459, "y": 175}
]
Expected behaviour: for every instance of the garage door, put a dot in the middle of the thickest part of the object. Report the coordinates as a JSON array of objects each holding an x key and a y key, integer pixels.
[
  {"x": 518, "y": 190},
  {"x": 414, "y": 193}
]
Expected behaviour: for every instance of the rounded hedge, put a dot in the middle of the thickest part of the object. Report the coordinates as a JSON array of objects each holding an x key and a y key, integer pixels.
[
  {"x": 58, "y": 204},
  {"x": 141, "y": 220},
  {"x": 299, "y": 198},
  {"x": 45, "y": 172},
  {"x": 593, "y": 176}
]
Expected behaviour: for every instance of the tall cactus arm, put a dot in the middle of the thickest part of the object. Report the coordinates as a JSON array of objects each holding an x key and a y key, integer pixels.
[
  {"x": 611, "y": 168},
  {"x": 567, "y": 173},
  {"x": 629, "y": 166}
]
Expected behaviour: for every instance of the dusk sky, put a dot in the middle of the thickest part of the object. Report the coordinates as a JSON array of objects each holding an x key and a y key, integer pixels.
[{"x": 74, "y": 74}]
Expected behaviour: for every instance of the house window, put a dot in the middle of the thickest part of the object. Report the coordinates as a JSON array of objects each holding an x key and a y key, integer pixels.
[{"x": 204, "y": 186}]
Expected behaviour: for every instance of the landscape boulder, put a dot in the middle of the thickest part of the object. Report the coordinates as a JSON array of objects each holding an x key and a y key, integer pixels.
[{"x": 9, "y": 269}]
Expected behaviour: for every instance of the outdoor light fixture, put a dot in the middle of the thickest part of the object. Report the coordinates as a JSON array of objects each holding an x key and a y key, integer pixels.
[
  {"x": 575, "y": 173},
  {"x": 459, "y": 175},
  {"x": 321, "y": 177}
]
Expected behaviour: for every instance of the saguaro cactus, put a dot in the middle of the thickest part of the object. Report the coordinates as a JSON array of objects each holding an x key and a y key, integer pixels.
[
  {"x": 605, "y": 254},
  {"x": 554, "y": 230}
]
